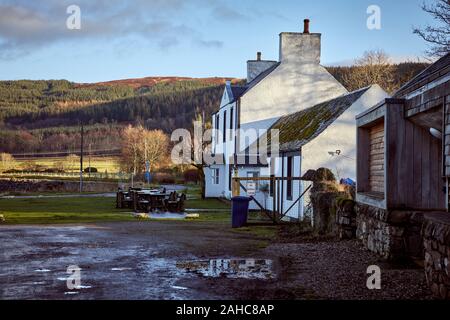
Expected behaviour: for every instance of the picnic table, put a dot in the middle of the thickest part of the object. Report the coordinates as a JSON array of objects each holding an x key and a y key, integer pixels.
[{"x": 149, "y": 200}]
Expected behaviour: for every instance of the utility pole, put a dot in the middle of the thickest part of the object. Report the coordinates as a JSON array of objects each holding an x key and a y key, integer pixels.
[
  {"x": 90, "y": 150},
  {"x": 81, "y": 158}
]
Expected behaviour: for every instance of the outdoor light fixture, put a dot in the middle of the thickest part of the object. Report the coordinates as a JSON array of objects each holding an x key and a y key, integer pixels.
[{"x": 436, "y": 133}]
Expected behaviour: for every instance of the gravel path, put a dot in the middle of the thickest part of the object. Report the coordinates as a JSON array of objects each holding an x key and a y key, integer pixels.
[{"x": 140, "y": 260}]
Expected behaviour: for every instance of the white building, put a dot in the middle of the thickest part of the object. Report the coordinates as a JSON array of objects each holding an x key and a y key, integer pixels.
[{"x": 286, "y": 95}]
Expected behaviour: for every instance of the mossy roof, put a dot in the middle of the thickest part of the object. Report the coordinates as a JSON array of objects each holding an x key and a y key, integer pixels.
[{"x": 299, "y": 128}]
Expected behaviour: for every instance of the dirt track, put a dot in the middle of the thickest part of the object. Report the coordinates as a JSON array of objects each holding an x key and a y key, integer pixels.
[{"x": 150, "y": 260}]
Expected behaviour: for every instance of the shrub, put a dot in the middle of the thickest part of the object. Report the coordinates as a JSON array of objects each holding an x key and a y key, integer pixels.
[
  {"x": 92, "y": 170},
  {"x": 191, "y": 175},
  {"x": 162, "y": 177}
]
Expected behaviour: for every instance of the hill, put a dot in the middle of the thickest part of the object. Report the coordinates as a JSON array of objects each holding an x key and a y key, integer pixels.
[{"x": 44, "y": 116}]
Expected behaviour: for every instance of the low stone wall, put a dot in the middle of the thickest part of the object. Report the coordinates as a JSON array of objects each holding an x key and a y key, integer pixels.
[
  {"x": 346, "y": 219},
  {"x": 436, "y": 241},
  {"x": 394, "y": 235},
  {"x": 29, "y": 185}
]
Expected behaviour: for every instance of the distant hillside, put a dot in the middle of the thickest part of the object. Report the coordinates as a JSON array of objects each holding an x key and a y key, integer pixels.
[
  {"x": 399, "y": 75},
  {"x": 38, "y": 116}
]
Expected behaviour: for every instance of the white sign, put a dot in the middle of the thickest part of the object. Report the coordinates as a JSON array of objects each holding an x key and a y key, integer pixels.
[{"x": 251, "y": 189}]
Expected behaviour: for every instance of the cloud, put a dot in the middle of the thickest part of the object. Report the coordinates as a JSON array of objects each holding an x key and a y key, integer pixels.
[
  {"x": 224, "y": 12},
  {"x": 27, "y": 26},
  {"x": 209, "y": 43}
]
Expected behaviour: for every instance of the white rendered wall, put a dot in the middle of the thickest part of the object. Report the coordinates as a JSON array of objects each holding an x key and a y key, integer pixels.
[
  {"x": 340, "y": 135},
  {"x": 215, "y": 190},
  {"x": 291, "y": 87}
]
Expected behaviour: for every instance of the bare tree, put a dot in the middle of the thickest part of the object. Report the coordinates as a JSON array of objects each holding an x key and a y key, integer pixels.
[
  {"x": 374, "y": 67},
  {"x": 199, "y": 146},
  {"x": 71, "y": 162},
  {"x": 437, "y": 36},
  {"x": 140, "y": 145},
  {"x": 7, "y": 162}
]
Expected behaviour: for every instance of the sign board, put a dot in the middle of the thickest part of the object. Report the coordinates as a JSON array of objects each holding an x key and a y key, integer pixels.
[{"x": 251, "y": 189}]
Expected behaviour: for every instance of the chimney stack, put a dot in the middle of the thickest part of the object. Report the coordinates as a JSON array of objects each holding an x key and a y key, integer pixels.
[
  {"x": 306, "y": 26},
  {"x": 256, "y": 67},
  {"x": 300, "y": 48}
]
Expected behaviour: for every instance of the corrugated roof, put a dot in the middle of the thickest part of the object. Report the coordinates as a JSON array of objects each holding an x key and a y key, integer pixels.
[{"x": 297, "y": 129}]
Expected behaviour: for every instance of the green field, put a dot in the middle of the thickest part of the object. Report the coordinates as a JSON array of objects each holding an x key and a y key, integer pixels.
[
  {"x": 102, "y": 164},
  {"x": 88, "y": 209}
]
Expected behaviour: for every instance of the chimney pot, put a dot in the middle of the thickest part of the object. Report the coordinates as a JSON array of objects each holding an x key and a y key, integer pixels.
[
  {"x": 306, "y": 26},
  {"x": 258, "y": 56}
]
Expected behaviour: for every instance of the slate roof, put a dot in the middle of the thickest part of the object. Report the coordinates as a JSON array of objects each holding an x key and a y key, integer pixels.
[
  {"x": 237, "y": 91},
  {"x": 299, "y": 128},
  {"x": 435, "y": 71}
]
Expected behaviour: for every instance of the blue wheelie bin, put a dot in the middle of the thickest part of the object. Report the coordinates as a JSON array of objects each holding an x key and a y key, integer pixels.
[{"x": 239, "y": 211}]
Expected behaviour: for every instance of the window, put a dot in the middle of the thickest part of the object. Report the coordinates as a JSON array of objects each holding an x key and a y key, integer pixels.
[
  {"x": 231, "y": 123},
  {"x": 230, "y": 174},
  {"x": 290, "y": 183},
  {"x": 224, "y": 126},
  {"x": 271, "y": 185},
  {"x": 272, "y": 175},
  {"x": 217, "y": 127},
  {"x": 215, "y": 175}
]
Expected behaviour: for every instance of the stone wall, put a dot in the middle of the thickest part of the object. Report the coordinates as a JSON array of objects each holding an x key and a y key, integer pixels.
[
  {"x": 394, "y": 235},
  {"x": 29, "y": 185},
  {"x": 345, "y": 219},
  {"x": 436, "y": 240}
]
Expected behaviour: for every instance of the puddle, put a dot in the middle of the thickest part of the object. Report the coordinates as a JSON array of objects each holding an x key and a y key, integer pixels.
[
  {"x": 71, "y": 292},
  {"x": 178, "y": 288},
  {"x": 168, "y": 215},
  {"x": 82, "y": 287},
  {"x": 120, "y": 269},
  {"x": 231, "y": 268}
]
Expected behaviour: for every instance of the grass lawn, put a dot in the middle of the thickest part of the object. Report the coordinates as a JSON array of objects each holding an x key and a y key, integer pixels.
[
  {"x": 61, "y": 210},
  {"x": 90, "y": 209}
]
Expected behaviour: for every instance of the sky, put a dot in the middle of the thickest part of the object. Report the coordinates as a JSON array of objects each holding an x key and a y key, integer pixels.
[{"x": 193, "y": 38}]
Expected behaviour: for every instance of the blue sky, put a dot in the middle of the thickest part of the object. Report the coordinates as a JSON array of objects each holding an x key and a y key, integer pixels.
[{"x": 198, "y": 38}]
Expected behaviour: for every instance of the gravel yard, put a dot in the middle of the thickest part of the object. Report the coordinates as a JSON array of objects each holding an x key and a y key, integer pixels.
[{"x": 179, "y": 260}]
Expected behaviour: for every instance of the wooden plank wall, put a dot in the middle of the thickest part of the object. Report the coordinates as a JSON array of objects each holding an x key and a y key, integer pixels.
[
  {"x": 376, "y": 158},
  {"x": 413, "y": 164},
  {"x": 447, "y": 136}
]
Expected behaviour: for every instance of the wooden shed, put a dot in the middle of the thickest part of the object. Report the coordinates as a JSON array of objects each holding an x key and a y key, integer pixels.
[
  {"x": 403, "y": 154},
  {"x": 403, "y": 175}
]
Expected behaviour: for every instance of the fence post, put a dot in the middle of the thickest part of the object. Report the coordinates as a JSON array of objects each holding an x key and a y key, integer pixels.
[{"x": 235, "y": 185}]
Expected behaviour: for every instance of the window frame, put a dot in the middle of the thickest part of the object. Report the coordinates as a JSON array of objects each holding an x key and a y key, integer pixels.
[
  {"x": 215, "y": 176},
  {"x": 289, "y": 172}
]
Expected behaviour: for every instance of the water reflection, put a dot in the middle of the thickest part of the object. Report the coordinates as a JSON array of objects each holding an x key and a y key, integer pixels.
[{"x": 231, "y": 268}]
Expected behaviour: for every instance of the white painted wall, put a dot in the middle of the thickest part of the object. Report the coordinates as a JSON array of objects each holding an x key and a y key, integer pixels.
[
  {"x": 289, "y": 88},
  {"x": 340, "y": 135},
  {"x": 297, "y": 210},
  {"x": 260, "y": 127},
  {"x": 215, "y": 190}
]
